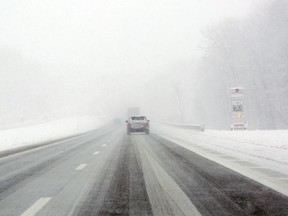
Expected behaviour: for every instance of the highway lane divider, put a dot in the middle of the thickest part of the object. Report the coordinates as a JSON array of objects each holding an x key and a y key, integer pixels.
[
  {"x": 37, "y": 206},
  {"x": 81, "y": 166}
]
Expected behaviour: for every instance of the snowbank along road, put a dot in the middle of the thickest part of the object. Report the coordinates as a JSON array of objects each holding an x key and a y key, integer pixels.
[{"x": 110, "y": 173}]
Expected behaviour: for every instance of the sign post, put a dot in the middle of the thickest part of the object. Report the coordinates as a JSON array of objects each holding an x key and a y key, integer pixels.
[{"x": 238, "y": 119}]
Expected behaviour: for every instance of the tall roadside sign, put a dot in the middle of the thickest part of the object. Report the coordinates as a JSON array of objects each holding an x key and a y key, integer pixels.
[{"x": 238, "y": 119}]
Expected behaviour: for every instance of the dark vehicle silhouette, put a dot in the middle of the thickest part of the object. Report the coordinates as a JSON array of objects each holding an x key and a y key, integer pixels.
[{"x": 138, "y": 124}]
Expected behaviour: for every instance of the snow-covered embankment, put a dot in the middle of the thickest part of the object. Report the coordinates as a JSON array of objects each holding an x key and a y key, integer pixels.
[{"x": 11, "y": 138}]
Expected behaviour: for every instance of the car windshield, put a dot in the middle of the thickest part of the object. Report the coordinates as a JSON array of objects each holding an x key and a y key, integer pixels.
[{"x": 143, "y": 107}]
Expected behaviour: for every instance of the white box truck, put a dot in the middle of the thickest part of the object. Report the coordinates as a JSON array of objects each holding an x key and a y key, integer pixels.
[{"x": 133, "y": 111}]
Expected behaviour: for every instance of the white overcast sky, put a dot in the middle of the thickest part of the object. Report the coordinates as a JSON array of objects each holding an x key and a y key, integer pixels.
[
  {"x": 102, "y": 46},
  {"x": 64, "y": 30}
]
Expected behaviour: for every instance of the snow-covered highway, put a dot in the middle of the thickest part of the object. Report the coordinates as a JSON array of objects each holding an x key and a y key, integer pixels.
[{"x": 110, "y": 173}]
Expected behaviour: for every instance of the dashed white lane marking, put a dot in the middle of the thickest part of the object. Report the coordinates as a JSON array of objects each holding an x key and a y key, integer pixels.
[
  {"x": 96, "y": 153},
  {"x": 37, "y": 206},
  {"x": 81, "y": 166},
  {"x": 104, "y": 145}
]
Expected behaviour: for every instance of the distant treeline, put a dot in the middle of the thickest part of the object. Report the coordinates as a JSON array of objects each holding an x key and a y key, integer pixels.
[{"x": 252, "y": 53}]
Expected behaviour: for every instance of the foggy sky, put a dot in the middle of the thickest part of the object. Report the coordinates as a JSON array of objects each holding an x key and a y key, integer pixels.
[{"x": 61, "y": 58}]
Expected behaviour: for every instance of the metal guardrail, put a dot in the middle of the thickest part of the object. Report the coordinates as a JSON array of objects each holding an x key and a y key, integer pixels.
[{"x": 200, "y": 127}]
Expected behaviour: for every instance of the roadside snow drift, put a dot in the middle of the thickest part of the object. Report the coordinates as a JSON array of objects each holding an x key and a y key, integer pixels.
[
  {"x": 259, "y": 155},
  {"x": 45, "y": 132}
]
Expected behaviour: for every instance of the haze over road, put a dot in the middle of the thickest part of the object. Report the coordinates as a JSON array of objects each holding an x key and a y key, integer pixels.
[{"x": 209, "y": 78}]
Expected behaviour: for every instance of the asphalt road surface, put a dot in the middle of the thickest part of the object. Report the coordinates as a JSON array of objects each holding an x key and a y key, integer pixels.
[{"x": 110, "y": 173}]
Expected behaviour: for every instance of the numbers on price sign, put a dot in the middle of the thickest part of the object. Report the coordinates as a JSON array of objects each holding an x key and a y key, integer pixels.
[{"x": 237, "y": 108}]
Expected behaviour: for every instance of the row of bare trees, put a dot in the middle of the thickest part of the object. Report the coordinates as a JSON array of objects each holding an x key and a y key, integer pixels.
[{"x": 252, "y": 53}]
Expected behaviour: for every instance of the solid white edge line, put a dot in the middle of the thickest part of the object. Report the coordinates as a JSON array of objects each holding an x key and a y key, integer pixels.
[
  {"x": 96, "y": 153},
  {"x": 37, "y": 206},
  {"x": 273, "y": 183},
  {"x": 81, "y": 166}
]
